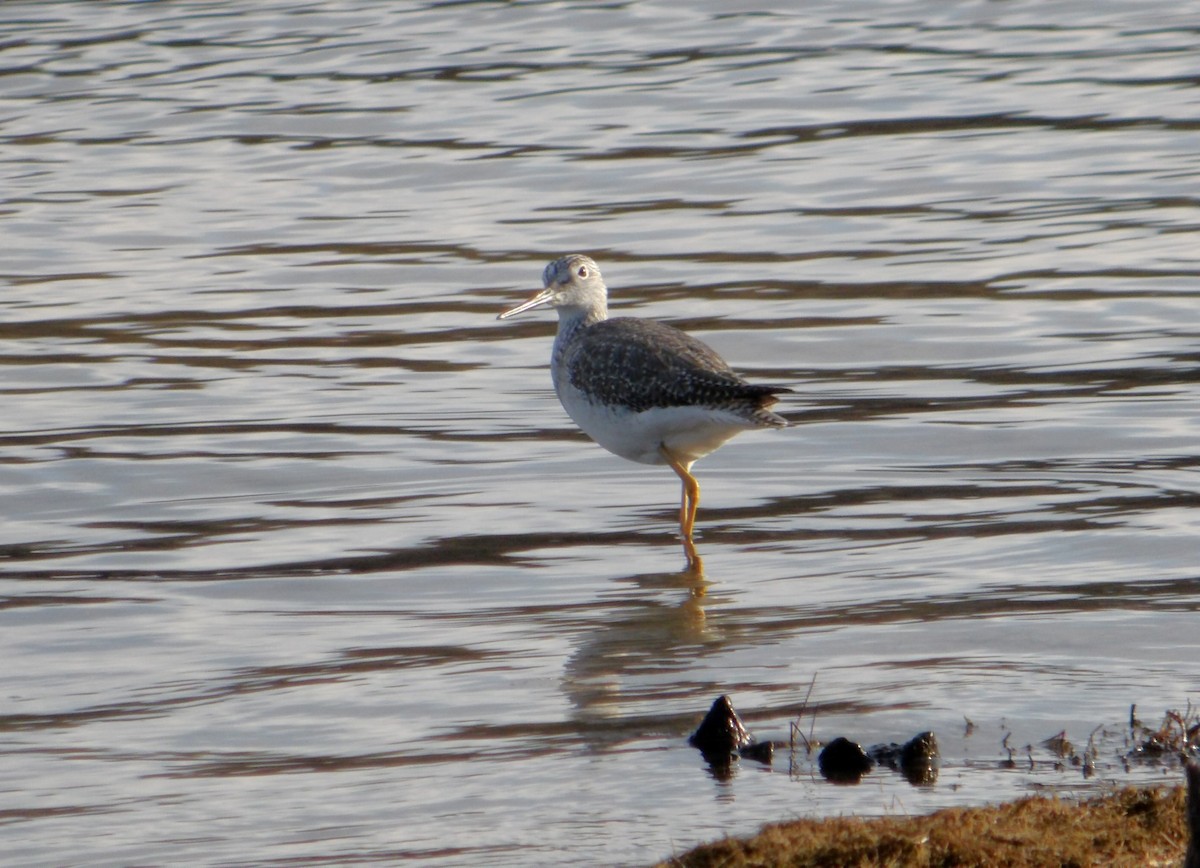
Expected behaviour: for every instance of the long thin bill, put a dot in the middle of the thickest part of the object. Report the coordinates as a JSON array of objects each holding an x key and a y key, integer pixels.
[{"x": 538, "y": 299}]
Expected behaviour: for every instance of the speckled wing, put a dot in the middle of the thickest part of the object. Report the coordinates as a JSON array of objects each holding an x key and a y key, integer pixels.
[{"x": 642, "y": 364}]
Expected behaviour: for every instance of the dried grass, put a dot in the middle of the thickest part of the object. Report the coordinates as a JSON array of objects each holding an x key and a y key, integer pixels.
[{"x": 1133, "y": 827}]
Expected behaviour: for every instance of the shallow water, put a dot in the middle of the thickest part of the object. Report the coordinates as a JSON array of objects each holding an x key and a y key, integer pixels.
[{"x": 301, "y": 559}]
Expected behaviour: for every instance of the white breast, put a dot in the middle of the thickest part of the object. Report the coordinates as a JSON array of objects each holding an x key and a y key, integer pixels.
[{"x": 689, "y": 432}]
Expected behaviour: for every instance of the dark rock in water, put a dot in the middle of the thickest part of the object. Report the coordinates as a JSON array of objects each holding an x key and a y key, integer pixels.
[
  {"x": 916, "y": 759},
  {"x": 919, "y": 760},
  {"x": 722, "y": 738},
  {"x": 721, "y": 733},
  {"x": 763, "y": 751},
  {"x": 843, "y": 761},
  {"x": 921, "y": 748}
]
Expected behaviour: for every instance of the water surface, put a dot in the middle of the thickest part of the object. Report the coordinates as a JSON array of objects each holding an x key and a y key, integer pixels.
[{"x": 301, "y": 559}]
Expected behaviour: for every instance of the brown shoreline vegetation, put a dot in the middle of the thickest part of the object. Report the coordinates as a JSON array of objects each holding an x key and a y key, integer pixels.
[
  {"x": 1132, "y": 827},
  {"x": 1127, "y": 827}
]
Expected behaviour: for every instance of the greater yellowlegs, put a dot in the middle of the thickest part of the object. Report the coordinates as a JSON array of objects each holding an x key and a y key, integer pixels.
[{"x": 643, "y": 390}]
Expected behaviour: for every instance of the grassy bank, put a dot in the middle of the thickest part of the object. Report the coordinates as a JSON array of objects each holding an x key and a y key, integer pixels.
[{"x": 1132, "y": 827}]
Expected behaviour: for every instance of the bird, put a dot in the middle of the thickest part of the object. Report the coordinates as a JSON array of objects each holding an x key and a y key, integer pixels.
[{"x": 644, "y": 390}]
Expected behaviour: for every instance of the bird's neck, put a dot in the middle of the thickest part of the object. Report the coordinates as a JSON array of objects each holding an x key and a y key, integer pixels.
[
  {"x": 572, "y": 322},
  {"x": 572, "y": 319}
]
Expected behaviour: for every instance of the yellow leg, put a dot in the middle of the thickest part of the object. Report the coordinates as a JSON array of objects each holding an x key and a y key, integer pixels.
[
  {"x": 689, "y": 504},
  {"x": 683, "y": 507}
]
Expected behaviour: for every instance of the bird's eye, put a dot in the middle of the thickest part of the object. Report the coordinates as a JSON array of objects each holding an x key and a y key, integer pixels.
[{"x": 582, "y": 272}]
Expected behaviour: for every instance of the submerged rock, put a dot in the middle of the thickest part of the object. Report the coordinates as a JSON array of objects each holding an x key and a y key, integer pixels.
[
  {"x": 722, "y": 738},
  {"x": 917, "y": 759},
  {"x": 762, "y": 751},
  {"x": 721, "y": 732},
  {"x": 843, "y": 761}
]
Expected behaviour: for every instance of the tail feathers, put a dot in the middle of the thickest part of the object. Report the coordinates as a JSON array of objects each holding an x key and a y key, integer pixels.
[
  {"x": 766, "y": 419},
  {"x": 767, "y": 397}
]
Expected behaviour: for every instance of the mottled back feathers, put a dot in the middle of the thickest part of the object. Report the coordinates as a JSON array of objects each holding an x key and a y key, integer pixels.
[{"x": 641, "y": 364}]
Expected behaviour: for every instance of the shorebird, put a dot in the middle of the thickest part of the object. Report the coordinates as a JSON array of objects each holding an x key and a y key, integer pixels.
[{"x": 645, "y": 391}]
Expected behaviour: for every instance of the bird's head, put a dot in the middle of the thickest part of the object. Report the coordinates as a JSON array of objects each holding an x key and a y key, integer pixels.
[{"x": 569, "y": 283}]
